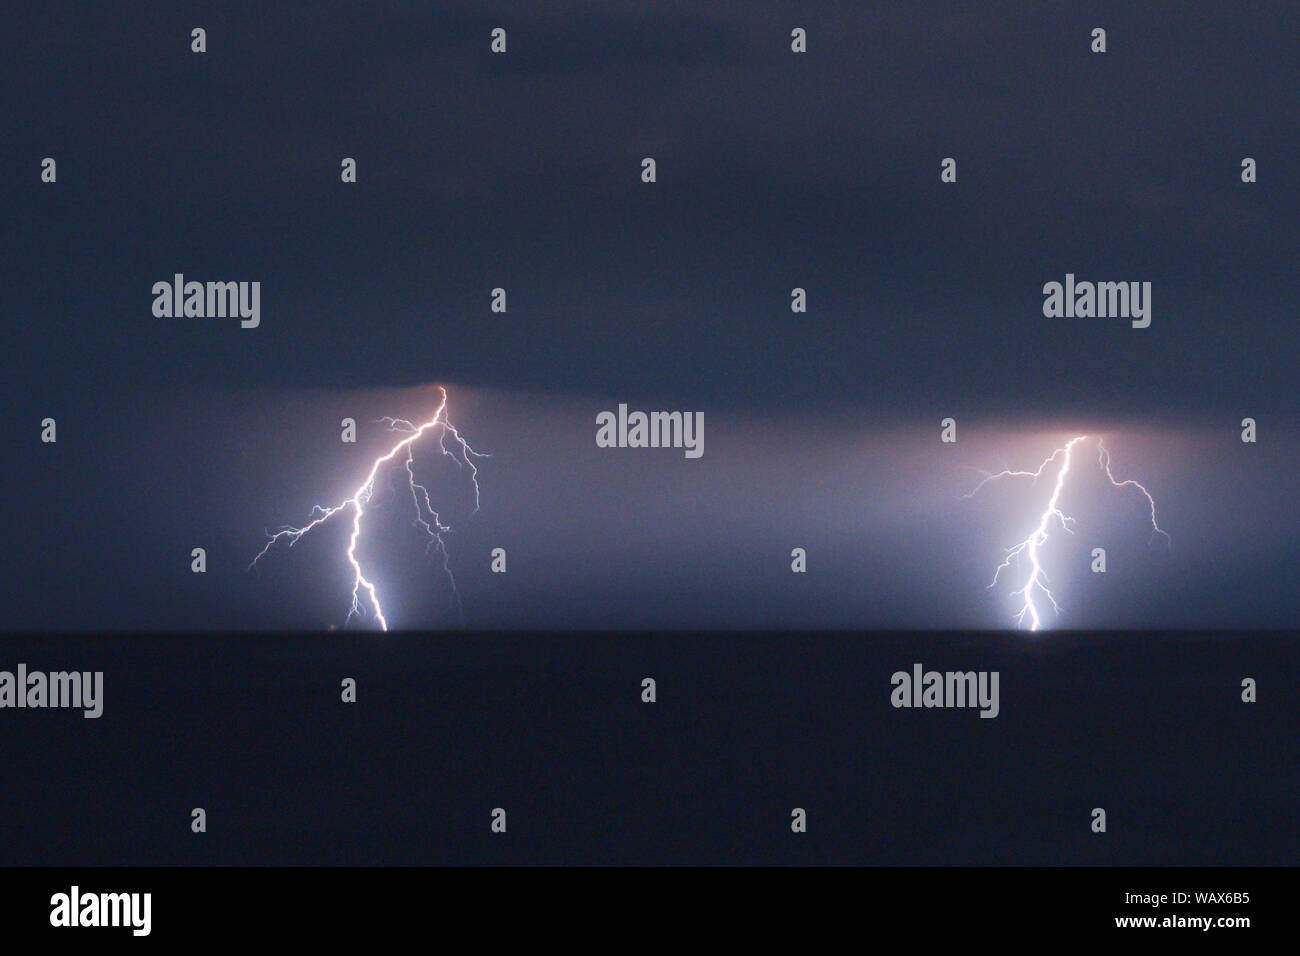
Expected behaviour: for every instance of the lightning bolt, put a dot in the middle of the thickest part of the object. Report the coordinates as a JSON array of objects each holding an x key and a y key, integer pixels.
[
  {"x": 1103, "y": 459},
  {"x": 425, "y": 517},
  {"x": 1028, "y": 548}
]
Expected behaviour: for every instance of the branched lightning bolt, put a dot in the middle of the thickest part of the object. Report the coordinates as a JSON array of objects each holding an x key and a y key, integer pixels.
[
  {"x": 1028, "y": 548},
  {"x": 425, "y": 517},
  {"x": 1103, "y": 459}
]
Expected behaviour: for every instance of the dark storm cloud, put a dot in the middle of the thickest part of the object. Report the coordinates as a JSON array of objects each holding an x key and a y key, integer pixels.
[{"x": 775, "y": 171}]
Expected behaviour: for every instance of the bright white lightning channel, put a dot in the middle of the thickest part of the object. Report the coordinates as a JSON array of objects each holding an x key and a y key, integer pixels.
[
  {"x": 1027, "y": 550},
  {"x": 425, "y": 517}
]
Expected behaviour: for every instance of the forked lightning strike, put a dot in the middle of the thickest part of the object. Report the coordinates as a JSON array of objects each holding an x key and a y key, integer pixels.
[
  {"x": 1028, "y": 548},
  {"x": 425, "y": 517}
]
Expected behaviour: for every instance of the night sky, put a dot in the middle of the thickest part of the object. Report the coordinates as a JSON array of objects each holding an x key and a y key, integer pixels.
[{"x": 775, "y": 170}]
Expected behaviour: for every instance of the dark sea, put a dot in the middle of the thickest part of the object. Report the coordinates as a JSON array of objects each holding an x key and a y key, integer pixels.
[{"x": 745, "y": 728}]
